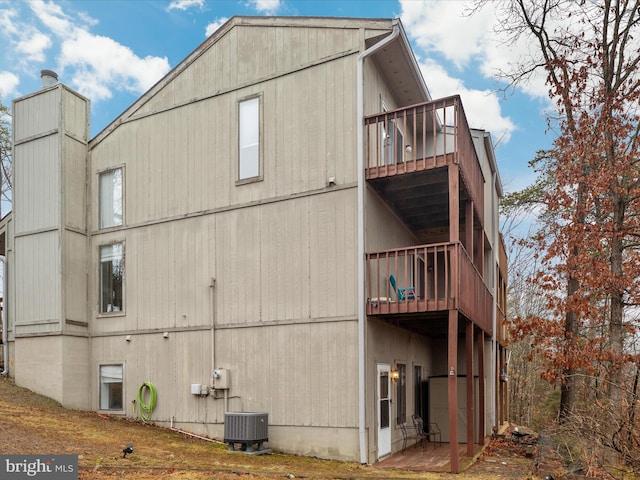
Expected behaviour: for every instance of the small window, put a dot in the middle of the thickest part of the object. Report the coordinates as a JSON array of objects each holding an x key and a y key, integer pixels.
[
  {"x": 417, "y": 391},
  {"x": 402, "y": 393},
  {"x": 249, "y": 138},
  {"x": 110, "y": 202},
  {"x": 111, "y": 278},
  {"x": 111, "y": 394}
]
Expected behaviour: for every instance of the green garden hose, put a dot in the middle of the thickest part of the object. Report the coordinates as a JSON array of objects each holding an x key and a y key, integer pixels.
[{"x": 146, "y": 408}]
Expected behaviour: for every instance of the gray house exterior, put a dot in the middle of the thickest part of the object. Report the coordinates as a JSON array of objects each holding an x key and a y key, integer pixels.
[{"x": 288, "y": 208}]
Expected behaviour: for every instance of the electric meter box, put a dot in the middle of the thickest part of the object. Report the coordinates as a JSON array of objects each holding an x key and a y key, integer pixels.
[{"x": 221, "y": 379}]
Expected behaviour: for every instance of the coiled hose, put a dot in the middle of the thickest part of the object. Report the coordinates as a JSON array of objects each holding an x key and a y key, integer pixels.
[{"x": 146, "y": 408}]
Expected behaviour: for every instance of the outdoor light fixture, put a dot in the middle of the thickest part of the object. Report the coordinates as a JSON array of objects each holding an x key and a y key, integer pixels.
[
  {"x": 407, "y": 148},
  {"x": 452, "y": 371},
  {"x": 395, "y": 375}
]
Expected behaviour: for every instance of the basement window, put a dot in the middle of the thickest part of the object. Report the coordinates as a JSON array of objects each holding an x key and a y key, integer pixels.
[{"x": 111, "y": 392}]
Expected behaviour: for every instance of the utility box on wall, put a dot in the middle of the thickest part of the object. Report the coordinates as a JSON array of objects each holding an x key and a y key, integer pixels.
[{"x": 221, "y": 379}]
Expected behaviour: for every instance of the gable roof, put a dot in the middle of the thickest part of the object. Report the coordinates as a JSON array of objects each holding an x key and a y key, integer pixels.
[{"x": 396, "y": 61}]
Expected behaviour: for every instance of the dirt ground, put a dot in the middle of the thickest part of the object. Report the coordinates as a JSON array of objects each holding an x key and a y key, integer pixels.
[{"x": 32, "y": 424}]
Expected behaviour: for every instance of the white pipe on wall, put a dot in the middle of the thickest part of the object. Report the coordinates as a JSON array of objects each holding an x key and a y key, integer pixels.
[
  {"x": 362, "y": 430},
  {"x": 5, "y": 336}
]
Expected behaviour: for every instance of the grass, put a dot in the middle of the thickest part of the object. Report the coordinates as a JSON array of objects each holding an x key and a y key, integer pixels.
[{"x": 33, "y": 424}]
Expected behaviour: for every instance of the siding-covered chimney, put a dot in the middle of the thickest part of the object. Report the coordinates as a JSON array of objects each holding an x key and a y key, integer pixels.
[{"x": 49, "y": 78}]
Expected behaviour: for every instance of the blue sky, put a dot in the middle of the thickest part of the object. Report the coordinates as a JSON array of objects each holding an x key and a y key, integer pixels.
[{"x": 112, "y": 51}]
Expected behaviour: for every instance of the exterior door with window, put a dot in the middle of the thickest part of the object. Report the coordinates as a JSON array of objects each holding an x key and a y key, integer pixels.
[{"x": 384, "y": 409}]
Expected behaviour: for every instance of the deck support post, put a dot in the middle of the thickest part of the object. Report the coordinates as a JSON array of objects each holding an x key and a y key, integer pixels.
[
  {"x": 453, "y": 390},
  {"x": 481, "y": 387},
  {"x": 470, "y": 391},
  {"x": 469, "y": 229}
]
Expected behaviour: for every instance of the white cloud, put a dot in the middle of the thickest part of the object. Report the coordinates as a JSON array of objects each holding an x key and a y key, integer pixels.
[
  {"x": 97, "y": 64},
  {"x": 185, "y": 4},
  {"x": 8, "y": 85},
  {"x": 482, "y": 107},
  {"x": 26, "y": 43},
  {"x": 34, "y": 47},
  {"x": 215, "y": 25},
  {"x": 268, "y": 7},
  {"x": 8, "y": 22},
  {"x": 467, "y": 40},
  {"x": 441, "y": 26}
]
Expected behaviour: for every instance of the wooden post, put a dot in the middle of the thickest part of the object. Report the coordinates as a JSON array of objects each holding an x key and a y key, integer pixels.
[
  {"x": 480, "y": 250},
  {"x": 453, "y": 390},
  {"x": 470, "y": 393},
  {"x": 481, "y": 388},
  {"x": 454, "y": 203},
  {"x": 469, "y": 230}
]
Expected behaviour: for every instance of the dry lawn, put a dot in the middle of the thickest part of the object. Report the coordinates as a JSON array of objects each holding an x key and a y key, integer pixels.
[{"x": 32, "y": 424}]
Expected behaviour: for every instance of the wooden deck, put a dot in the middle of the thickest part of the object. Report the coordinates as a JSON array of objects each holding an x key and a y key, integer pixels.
[{"x": 434, "y": 458}]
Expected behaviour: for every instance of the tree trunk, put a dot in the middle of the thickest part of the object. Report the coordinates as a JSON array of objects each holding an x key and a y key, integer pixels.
[{"x": 568, "y": 388}]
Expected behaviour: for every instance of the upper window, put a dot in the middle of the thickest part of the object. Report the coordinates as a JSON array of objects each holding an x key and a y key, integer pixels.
[
  {"x": 111, "y": 278},
  {"x": 110, "y": 203},
  {"x": 111, "y": 395},
  {"x": 249, "y": 138}
]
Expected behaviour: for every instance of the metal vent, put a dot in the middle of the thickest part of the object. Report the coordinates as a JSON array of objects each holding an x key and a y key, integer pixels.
[{"x": 246, "y": 429}]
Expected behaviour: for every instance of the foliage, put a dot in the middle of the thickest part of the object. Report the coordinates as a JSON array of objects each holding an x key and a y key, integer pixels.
[
  {"x": 5, "y": 154},
  {"x": 586, "y": 249}
]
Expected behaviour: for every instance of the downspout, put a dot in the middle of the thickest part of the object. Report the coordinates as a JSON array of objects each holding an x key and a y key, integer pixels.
[
  {"x": 362, "y": 431},
  {"x": 5, "y": 336}
]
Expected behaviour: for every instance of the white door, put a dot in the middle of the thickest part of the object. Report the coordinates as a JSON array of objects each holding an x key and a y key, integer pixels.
[{"x": 384, "y": 410}]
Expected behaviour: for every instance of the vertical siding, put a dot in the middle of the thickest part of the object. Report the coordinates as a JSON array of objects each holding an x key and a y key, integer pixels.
[
  {"x": 74, "y": 173},
  {"x": 383, "y": 229},
  {"x": 36, "y": 114},
  {"x": 185, "y": 160},
  {"x": 333, "y": 251},
  {"x": 235, "y": 61},
  {"x": 75, "y": 111},
  {"x": 74, "y": 280},
  {"x": 303, "y": 374},
  {"x": 37, "y": 278},
  {"x": 282, "y": 250},
  {"x": 37, "y": 184}
]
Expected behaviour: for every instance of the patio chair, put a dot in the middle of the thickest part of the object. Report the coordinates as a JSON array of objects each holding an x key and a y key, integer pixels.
[
  {"x": 433, "y": 432},
  {"x": 406, "y": 436},
  {"x": 402, "y": 293},
  {"x": 421, "y": 435}
]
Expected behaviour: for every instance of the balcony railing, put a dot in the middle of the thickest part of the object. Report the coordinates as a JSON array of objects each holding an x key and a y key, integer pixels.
[
  {"x": 421, "y": 137},
  {"x": 427, "y": 278}
]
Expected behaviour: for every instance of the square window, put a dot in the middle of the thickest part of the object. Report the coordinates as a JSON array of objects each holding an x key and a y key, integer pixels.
[
  {"x": 111, "y": 278},
  {"x": 110, "y": 198},
  {"x": 111, "y": 392}
]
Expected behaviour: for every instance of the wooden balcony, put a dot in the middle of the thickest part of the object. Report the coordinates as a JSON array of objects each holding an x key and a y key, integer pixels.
[
  {"x": 406, "y": 155},
  {"x": 427, "y": 278}
]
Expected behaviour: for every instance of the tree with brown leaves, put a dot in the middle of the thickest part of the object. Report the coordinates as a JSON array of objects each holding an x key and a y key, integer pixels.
[
  {"x": 590, "y": 51},
  {"x": 5, "y": 157}
]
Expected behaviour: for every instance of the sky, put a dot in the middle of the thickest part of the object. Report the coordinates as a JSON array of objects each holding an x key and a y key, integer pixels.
[{"x": 112, "y": 51}]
